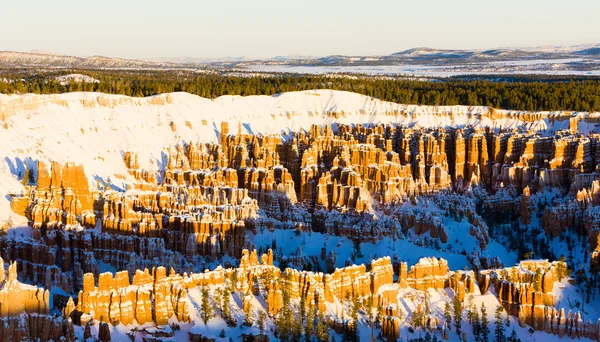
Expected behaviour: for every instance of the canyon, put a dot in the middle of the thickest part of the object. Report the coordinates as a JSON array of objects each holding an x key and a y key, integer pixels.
[{"x": 175, "y": 217}]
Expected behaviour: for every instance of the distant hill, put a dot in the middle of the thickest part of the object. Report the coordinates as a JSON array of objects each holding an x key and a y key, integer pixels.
[{"x": 36, "y": 59}]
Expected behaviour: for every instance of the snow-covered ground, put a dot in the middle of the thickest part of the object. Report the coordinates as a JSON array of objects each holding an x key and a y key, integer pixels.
[
  {"x": 78, "y": 78},
  {"x": 307, "y": 244},
  {"x": 522, "y": 67}
]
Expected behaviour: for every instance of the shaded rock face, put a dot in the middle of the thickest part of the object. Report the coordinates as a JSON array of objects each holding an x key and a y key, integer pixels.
[
  {"x": 24, "y": 311},
  {"x": 28, "y": 327},
  {"x": 193, "y": 337},
  {"x": 592, "y": 226},
  {"x": 526, "y": 210},
  {"x": 581, "y": 215},
  {"x": 557, "y": 219},
  {"x": 37, "y": 261},
  {"x": 17, "y": 298}
]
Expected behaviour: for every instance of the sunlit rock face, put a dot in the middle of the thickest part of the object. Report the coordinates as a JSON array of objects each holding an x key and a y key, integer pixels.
[
  {"x": 526, "y": 291},
  {"x": 61, "y": 197},
  {"x": 205, "y": 196},
  {"x": 131, "y": 249},
  {"x": 154, "y": 296}
]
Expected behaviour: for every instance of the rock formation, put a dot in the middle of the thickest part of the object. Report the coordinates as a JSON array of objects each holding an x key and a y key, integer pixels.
[
  {"x": 202, "y": 203},
  {"x": 24, "y": 311},
  {"x": 526, "y": 292}
]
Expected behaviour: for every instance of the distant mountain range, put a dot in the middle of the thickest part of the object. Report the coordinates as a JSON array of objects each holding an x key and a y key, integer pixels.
[
  {"x": 420, "y": 54},
  {"x": 579, "y": 59},
  {"x": 424, "y": 55}
]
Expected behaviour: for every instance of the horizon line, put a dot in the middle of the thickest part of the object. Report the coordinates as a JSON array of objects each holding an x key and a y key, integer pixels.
[{"x": 299, "y": 55}]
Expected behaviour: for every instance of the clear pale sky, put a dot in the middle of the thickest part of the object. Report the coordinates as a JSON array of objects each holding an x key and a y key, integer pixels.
[{"x": 266, "y": 28}]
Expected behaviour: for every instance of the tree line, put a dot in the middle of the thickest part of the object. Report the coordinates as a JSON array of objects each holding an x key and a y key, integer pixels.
[{"x": 532, "y": 94}]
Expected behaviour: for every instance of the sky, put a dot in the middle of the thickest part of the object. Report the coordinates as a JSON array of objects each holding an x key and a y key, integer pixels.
[{"x": 266, "y": 28}]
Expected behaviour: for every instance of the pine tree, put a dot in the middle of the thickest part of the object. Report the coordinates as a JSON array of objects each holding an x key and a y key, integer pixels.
[
  {"x": 369, "y": 308},
  {"x": 296, "y": 329},
  {"x": 218, "y": 298},
  {"x": 513, "y": 337},
  {"x": 355, "y": 306},
  {"x": 309, "y": 324},
  {"x": 499, "y": 330},
  {"x": 247, "y": 305},
  {"x": 378, "y": 316},
  {"x": 322, "y": 331},
  {"x": 302, "y": 306},
  {"x": 353, "y": 330},
  {"x": 475, "y": 323},
  {"x": 261, "y": 321},
  {"x": 284, "y": 322},
  {"x": 417, "y": 319},
  {"x": 225, "y": 308},
  {"x": 447, "y": 315},
  {"x": 233, "y": 282},
  {"x": 347, "y": 335},
  {"x": 205, "y": 305},
  {"x": 485, "y": 330},
  {"x": 470, "y": 309},
  {"x": 457, "y": 316}
]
